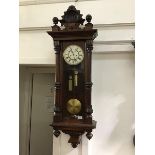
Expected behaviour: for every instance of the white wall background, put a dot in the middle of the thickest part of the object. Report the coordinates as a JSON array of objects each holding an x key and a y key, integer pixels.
[
  {"x": 113, "y": 104},
  {"x": 113, "y": 68}
]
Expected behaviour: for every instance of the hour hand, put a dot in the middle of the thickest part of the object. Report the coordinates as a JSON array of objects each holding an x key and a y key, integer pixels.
[{"x": 72, "y": 51}]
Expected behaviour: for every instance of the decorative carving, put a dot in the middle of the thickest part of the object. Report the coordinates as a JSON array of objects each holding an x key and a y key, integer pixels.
[
  {"x": 57, "y": 85},
  {"x": 56, "y": 46},
  {"x": 89, "y": 135},
  {"x": 89, "y": 25},
  {"x": 56, "y": 133},
  {"x": 75, "y": 137},
  {"x": 89, "y": 45},
  {"x": 88, "y": 85},
  {"x": 72, "y": 18},
  {"x": 75, "y": 129},
  {"x": 55, "y": 20},
  {"x": 88, "y": 18},
  {"x": 89, "y": 110},
  {"x": 55, "y": 27}
]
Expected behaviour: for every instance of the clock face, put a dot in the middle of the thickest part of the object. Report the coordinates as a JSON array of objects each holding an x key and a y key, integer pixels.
[{"x": 73, "y": 55}]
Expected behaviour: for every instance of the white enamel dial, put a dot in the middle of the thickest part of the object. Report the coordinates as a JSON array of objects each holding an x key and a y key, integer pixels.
[{"x": 73, "y": 55}]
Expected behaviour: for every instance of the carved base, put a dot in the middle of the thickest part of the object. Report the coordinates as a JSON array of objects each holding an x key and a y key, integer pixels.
[
  {"x": 75, "y": 137},
  {"x": 75, "y": 129}
]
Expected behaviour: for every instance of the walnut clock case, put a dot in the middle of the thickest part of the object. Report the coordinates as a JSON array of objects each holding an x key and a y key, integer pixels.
[{"x": 73, "y": 45}]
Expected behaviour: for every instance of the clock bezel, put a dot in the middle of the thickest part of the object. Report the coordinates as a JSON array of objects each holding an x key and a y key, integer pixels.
[{"x": 73, "y": 64}]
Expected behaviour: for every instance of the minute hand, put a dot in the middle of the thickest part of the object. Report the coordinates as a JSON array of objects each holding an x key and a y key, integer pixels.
[{"x": 72, "y": 51}]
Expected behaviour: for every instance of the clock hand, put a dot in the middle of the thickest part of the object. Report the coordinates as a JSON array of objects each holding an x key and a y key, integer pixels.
[
  {"x": 77, "y": 53},
  {"x": 76, "y": 50},
  {"x": 72, "y": 51}
]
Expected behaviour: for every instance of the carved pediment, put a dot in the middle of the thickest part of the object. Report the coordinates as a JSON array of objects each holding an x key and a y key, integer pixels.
[{"x": 72, "y": 20}]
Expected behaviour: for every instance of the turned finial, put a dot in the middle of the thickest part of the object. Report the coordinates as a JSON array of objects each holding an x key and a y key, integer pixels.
[
  {"x": 88, "y": 18},
  {"x": 55, "y": 20}
]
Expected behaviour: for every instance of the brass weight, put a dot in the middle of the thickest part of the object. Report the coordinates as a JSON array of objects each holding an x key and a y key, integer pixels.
[{"x": 74, "y": 106}]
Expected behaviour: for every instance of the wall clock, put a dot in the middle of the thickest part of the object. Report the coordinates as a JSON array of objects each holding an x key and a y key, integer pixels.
[{"x": 73, "y": 45}]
